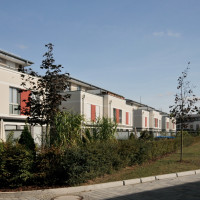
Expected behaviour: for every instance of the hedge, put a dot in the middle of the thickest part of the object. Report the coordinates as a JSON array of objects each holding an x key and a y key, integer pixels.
[{"x": 77, "y": 164}]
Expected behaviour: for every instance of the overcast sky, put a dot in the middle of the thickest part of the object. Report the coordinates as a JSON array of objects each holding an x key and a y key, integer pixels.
[{"x": 133, "y": 48}]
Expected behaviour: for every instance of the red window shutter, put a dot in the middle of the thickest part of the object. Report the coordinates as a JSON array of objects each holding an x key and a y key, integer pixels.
[
  {"x": 24, "y": 97},
  {"x": 117, "y": 115},
  {"x": 156, "y": 122},
  {"x": 127, "y": 118},
  {"x": 167, "y": 125},
  {"x": 93, "y": 113},
  {"x": 145, "y": 121}
]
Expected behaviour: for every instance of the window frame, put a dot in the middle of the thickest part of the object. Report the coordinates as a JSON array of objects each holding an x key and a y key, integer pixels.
[{"x": 14, "y": 106}]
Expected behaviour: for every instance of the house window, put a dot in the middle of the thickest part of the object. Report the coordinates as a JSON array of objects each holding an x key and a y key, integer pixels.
[
  {"x": 120, "y": 116},
  {"x": 197, "y": 126},
  {"x": 97, "y": 112},
  {"x": 14, "y": 101},
  {"x": 114, "y": 114},
  {"x": 117, "y": 115},
  {"x": 88, "y": 112}
]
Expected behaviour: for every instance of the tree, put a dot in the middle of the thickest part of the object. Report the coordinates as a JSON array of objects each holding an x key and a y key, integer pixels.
[
  {"x": 46, "y": 95},
  {"x": 184, "y": 104},
  {"x": 27, "y": 140}
]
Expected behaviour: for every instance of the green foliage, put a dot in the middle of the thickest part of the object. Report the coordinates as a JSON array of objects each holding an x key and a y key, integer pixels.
[
  {"x": 103, "y": 129},
  {"x": 10, "y": 138},
  {"x": 132, "y": 136},
  {"x": 146, "y": 135},
  {"x": 185, "y": 133},
  {"x": 184, "y": 104},
  {"x": 48, "y": 167},
  {"x": 27, "y": 140},
  {"x": 67, "y": 128},
  {"x": 75, "y": 164},
  {"x": 16, "y": 165},
  {"x": 45, "y": 98}
]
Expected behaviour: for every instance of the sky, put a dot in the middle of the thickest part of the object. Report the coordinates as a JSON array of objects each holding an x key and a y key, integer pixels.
[{"x": 135, "y": 48}]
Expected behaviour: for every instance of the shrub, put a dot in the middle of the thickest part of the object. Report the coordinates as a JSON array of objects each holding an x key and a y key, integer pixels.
[
  {"x": 76, "y": 164},
  {"x": 15, "y": 166},
  {"x": 48, "y": 169},
  {"x": 27, "y": 140},
  {"x": 103, "y": 129},
  {"x": 146, "y": 135},
  {"x": 68, "y": 129}
]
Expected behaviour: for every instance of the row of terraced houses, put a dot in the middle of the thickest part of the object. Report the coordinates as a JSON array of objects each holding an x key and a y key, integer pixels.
[{"x": 89, "y": 100}]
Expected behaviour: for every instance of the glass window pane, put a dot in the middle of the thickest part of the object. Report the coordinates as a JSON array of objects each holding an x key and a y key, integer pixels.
[
  {"x": 120, "y": 116},
  {"x": 11, "y": 109},
  {"x": 14, "y": 95},
  {"x": 16, "y": 109},
  {"x": 18, "y": 97},
  {"x": 10, "y": 95},
  {"x": 114, "y": 114}
]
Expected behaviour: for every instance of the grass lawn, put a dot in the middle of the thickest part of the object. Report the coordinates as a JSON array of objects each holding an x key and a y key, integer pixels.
[{"x": 168, "y": 164}]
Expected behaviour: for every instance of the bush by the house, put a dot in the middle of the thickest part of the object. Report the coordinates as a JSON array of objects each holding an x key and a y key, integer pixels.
[{"x": 76, "y": 164}]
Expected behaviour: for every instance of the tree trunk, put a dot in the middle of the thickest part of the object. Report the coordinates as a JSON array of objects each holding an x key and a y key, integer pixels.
[{"x": 181, "y": 155}]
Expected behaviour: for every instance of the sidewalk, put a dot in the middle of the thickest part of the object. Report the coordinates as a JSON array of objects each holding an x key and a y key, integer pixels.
[
  {"x": 185, "y": 186},
  {"x": 181, "y": 188}
]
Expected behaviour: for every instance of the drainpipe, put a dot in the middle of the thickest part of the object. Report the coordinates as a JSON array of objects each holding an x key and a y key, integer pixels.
[
  {"x": 110, "y": 102},
  {"x": 83, "y": 97}
]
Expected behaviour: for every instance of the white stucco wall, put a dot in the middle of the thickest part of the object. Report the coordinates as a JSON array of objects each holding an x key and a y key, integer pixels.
[
  {"x": 8, "y": 78},
  {"x": 154, "y": 114},
  {"x": 139, "y": 119}
]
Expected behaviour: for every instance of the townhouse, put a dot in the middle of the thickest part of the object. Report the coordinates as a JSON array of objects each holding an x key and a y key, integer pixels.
[
  {"x": 93, "y": 102},
  {"x": 86, "y": 99},
  {"x": 11, "y": 118}
]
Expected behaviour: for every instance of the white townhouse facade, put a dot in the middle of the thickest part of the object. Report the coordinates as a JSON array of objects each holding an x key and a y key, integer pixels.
[
  {"x": 86, "y": 99},
  {"x": 11, "y": 118},
  {"x": 93, "y": 102}
]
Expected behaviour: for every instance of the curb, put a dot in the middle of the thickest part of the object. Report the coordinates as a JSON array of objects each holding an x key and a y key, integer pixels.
[{"x": 70, "y": 190}]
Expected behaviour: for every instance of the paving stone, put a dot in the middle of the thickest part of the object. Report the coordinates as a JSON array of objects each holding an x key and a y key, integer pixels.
[
  {"x": 68, "y": 198},
  {"x": 185, "y": 173},
  {"x": 166, "y": 176},
  {"x": 147, "y": 179},
  {"x": 132, "y": 181}
]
